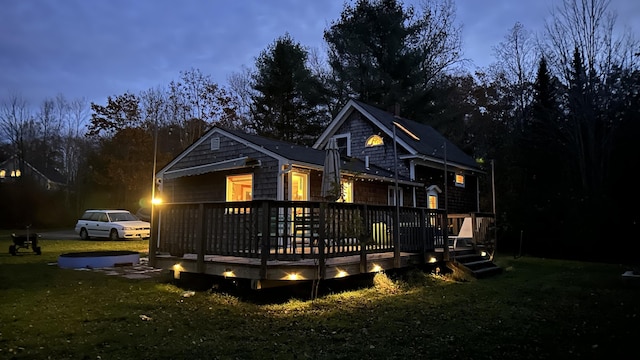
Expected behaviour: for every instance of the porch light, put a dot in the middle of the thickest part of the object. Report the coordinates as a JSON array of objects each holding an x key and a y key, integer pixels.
[
  {"x": 376, "y": 268},
  {"x": 156, "y": 201}
]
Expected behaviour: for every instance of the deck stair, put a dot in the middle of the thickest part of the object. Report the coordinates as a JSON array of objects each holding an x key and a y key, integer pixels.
[{"x": 475, "y": 264}]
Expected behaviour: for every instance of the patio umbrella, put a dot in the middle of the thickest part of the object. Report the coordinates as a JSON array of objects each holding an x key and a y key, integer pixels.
[{"x": 331, "y": 189}]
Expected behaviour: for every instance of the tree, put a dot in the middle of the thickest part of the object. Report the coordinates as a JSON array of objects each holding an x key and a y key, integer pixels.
[
  {"x": 384, "y": 54},
  {"x": 516, "y": 62},
  {"x": 120, "y": 113},
  {"x": 195, "y": 103},
  {"x": 286, "y": 104}
]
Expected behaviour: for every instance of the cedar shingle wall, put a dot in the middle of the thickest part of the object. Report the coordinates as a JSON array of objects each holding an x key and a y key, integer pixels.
[{"x": 212, "y": 186}]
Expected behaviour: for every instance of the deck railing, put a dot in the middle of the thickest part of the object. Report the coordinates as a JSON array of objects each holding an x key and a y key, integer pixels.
[{"x": 289, "y": 230}]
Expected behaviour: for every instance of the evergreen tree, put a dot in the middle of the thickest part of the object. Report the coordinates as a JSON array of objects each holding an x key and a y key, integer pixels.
[{"x": 286, "y": 104}]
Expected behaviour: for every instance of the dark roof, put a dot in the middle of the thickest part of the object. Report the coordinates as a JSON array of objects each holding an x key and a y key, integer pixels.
[
  {"x": 431, "y": 142},
  {"x": 309, "y": 155}
]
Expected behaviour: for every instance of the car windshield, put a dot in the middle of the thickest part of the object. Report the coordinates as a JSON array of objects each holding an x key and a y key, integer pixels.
[{"x": 122, "y": 216}]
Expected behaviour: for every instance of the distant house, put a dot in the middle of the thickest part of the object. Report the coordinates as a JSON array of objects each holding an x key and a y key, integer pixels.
[
  {"x": 15, "y": 168},
  {"x": 230, "y": 165}
]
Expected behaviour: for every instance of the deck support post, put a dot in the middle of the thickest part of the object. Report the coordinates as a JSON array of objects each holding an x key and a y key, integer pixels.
[
  {"x": 200, "y": 245},
  {"x": 264, "y": 240}
]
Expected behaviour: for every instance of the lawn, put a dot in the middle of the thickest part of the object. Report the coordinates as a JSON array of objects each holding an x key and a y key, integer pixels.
[{"x": 536, "y": 309}]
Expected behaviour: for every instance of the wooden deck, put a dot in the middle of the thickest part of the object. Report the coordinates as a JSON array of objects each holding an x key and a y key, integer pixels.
[{"x": 227, "y": 240}]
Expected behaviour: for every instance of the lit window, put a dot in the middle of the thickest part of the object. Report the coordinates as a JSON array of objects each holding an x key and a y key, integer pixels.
[
  {"x": 299, "y": 187},
  {"x": 15, "y": 173},
  {"x": 347, "y": 191},
  {"x": 374, "y": 140},
  {"x": 433, "y": 202},
  {"x": 432, "y": 196},
  {"x": 240, "y": 187},
  {"x": 3, "y": 173},
  {"x": 460, "y": 180}
]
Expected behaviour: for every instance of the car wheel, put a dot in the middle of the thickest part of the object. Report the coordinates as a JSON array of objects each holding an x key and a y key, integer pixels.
[
  {"x": 83, "y": 234},
  {"x": 114, "y": 235}
]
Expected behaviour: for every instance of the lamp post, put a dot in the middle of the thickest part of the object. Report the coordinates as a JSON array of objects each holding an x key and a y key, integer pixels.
[
  {"x": 153, "y": 239},
  {"x": 396, "y": 227}
]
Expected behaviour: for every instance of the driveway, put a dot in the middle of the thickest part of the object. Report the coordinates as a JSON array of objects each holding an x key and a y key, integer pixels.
[{"x": 59, "y": 235}]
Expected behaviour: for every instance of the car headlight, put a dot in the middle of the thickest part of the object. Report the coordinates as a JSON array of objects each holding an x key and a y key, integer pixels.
[{"x": 127, "y": 228}]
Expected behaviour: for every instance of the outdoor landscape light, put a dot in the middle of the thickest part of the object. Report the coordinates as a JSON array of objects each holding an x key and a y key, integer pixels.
[
  {"x": 432, "y": 260},
  {"x": 341, "y": 273},
  {"x": 376, "y": 268},
  {"x": 177, "y": 269},
  {"x": 293, "y": 276},
  {"x": 228, "y": 273}
]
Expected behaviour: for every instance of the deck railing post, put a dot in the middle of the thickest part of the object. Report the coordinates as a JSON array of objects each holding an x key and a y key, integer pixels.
[
  {"x": 200, "y": 238},
  {"x": 423, "y": 235},
  {"x": 265, "y": 239},
  {"x": 321, "y": 242},
  {"x": 363, "y": 244},
  {"x": 153, "y": 238},
  {"x": 445, "y": 236},
  {"x": 396, "y": 236}
]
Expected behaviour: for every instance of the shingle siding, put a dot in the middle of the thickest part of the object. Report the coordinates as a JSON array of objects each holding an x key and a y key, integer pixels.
[{"x": 212, "y": 186}]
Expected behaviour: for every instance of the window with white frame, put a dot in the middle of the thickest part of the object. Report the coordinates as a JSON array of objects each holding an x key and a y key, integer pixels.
[
  {"x": 432, "y": 196},
  {"x": 344, "y": 144},
  {"x": 299, "y": 187},
  {"x": 240, "y": 187},
  {"x": 392, "y": 198},
  {"x": 347, "y": 191}
]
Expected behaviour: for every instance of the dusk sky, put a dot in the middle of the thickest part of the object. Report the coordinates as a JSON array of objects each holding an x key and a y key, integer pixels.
[{"x": 95, "y": 49}]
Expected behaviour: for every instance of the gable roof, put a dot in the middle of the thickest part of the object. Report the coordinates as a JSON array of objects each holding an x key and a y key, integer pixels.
[
  {"x": 429, "y": 146},
  {"x": 285, "y": 152}
]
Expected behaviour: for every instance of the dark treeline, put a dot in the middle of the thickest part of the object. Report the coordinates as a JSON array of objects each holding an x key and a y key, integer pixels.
[{"x": 556, "y": 114}]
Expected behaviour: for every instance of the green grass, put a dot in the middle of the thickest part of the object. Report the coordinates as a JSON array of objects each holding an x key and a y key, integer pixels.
[{"x": 536, "y": 309}]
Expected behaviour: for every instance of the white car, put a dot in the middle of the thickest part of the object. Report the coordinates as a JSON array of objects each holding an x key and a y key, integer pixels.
[{"x": 112, "y": 224}]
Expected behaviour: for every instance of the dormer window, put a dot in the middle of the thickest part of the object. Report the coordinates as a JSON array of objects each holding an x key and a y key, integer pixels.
[
  {"x": 374, "y": 140},
  {"x": 344, "y": 144}
]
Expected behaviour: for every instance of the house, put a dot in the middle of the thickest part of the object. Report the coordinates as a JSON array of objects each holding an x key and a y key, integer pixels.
[
  {"x": 15, "y": 168},
  {"x": 229, "y": 165},
  {"x": 248, "y": 207}
]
